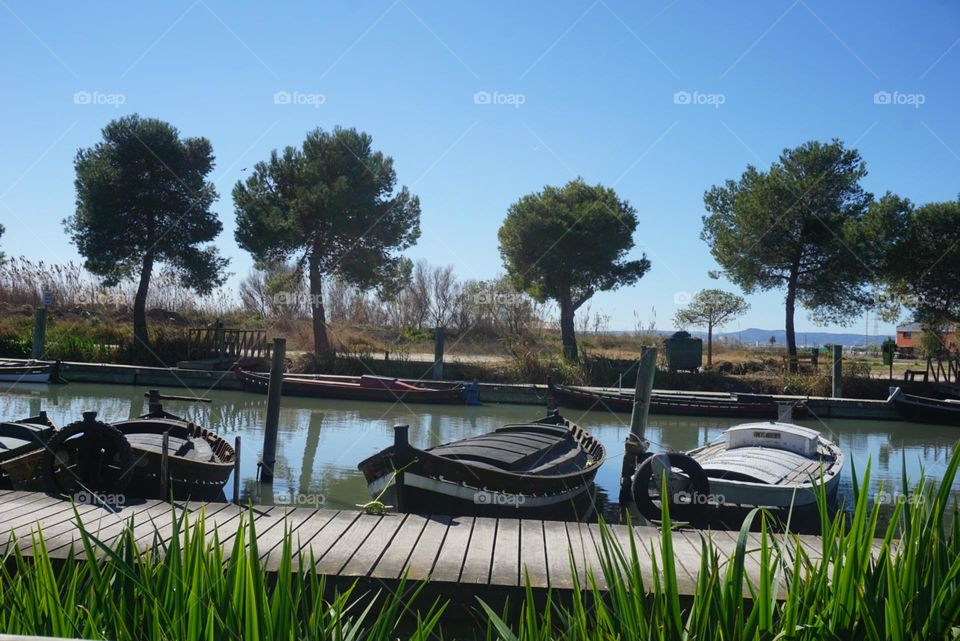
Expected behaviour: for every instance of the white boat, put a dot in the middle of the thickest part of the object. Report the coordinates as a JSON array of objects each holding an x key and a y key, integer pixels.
[
  {"x": 25, "y": 372},
  {"x": 771, "y": 464}
]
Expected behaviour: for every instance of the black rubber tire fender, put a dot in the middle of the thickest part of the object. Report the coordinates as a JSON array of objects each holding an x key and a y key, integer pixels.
[
  {"x": 641, "y": 482},
  {"x": 114, "y": 441}
]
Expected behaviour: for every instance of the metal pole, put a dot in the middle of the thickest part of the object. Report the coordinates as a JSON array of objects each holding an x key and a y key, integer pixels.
[
  {"x": 635, "y": 444},
  {"x": 837, "y": 371},
  {"x": 236, "y": 470},
  {"x": 273, "y": 410}
]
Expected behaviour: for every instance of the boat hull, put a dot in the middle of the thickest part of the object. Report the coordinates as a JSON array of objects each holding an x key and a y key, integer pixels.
[
  {"x": 920, "y": 409},
  {"x": 664, "y": 404},
  {"x": 307, "y": 388},
  {"x": 425, "y": 495}
]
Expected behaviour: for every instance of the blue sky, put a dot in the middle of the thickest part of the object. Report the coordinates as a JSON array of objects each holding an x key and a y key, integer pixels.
[{"x": 594, "y": 89}]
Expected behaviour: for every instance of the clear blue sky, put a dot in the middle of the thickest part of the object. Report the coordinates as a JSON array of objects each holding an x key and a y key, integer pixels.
[{"x": 597, "y": 83}]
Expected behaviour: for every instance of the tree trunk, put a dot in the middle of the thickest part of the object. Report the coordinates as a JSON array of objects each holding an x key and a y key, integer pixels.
[
  {"x": 567, "y": 332},
  {"x": 709, "y": 344},
  {"x": 791, "y": 334},
  {"x": 141, "y": 339},
  {"x": 321, "y": 343}
]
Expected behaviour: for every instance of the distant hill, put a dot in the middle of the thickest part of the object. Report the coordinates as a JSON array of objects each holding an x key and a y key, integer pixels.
[{"x": 753, "y": 336}]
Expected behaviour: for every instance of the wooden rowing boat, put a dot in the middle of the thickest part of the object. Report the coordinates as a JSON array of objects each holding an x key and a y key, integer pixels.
[
  {"x": 541, "y": 469},
  {"x": 363, "y": 388},
  {"x": 772, "y": 465},
  {"x": 25, "y": 373},
  {"x": 922, "y": 409},
  {"x": 734, "y": 406},
  {"x": 128, "y": 457},
  {"x": 22, "y": 446}
]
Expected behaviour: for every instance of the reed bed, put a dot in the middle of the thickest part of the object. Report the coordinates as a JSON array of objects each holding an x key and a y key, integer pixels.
[{"x": 907, "y": 586}]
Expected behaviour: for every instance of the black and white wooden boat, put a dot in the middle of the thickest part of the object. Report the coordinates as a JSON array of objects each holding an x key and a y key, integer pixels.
[
  {"x": 542, "y": 469},
  {"x": 773, "y": 465},
  {"x": 29, "y": 372},
  {"x": 925, "y": 410}
]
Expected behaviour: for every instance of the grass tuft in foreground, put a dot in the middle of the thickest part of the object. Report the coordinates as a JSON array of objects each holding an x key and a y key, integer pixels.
[{"x": 867, "y": 581}]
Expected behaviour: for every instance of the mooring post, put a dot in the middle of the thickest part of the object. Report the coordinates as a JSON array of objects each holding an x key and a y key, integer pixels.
[
  {"x": 153, "y": 401},
  {"x": 438, "y": 354},
  {"x": 165, "y": 465},
  {"x": 636, "y": 444},
  {"x": 273, "y": 410},
  {"x": 39, "y": 333},
  {"x": 837, "y": 372},
  {"x": 236, "y": 470}
]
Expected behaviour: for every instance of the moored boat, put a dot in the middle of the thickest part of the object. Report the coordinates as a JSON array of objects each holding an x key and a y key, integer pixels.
[
  {"x": 22, "y": 446},
  {"x": 732, "y": 406},
  {"x": 925, "y": 410},
  {"x": 541, "y": 469},
  {"x": 362, "y": 388},
  {"x": 25, "y": 372},
  {"x": 772, "y": 465},
  {"x": 150, "y": 455}
]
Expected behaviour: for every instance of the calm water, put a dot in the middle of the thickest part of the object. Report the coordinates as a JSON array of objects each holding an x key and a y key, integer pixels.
[{"x": 321, "y": 441}]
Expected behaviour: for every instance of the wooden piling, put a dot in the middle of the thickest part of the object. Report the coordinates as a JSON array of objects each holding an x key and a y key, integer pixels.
[
  {"x": 269, "y": 458},
  {"x": 39, "y": 334},
  {"x": 236, "y": 470},
  {"x": 635, "y": 444},
  {"x": 438, "y": 354},
  {"x": 837, "y": 372}
]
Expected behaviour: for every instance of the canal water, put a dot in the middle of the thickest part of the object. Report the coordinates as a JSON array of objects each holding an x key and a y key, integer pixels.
[{"x": 320, "y": 442}]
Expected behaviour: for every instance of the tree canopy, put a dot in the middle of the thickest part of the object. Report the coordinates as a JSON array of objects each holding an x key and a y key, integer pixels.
[
  {"x": 923, "y": 264},
  {"x": 567, "y": 243},
  {"x": 801, "y": 226},
  {"x": 143, "y": 198},
  {"x": 3, "y": 256},
  {"x": 331, "y": 207},
  {"x": 711, "y": 308}
]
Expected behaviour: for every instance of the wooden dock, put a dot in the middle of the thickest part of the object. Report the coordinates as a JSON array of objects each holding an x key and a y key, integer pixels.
[{"x": 461, "y": 557}]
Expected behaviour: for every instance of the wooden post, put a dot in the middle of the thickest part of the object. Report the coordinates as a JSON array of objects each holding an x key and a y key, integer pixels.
[
  {"x": 273, "y": 410},
  {"x": 837, "y": 372},
  {"x": 236, "y": 470},
  {"x": 438, "y": 354},
  {"x": 39, "y": 333},
  {"x": 635, "y": 443},
  {"x": 165, "y": 466},
  {"x": 153, "y": 401}
]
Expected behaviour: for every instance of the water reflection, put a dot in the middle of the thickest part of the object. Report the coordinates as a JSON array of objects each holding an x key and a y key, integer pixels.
[{"x": 320, "y": 442}]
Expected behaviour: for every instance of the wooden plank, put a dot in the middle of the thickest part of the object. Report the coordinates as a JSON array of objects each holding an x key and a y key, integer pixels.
[
  {"x": 352, "y": 539},
  {"x": 393, "y": 561},
  {"x": 506, "y": 553},
  {"x": 533, "y": 554},
  {"x": 365, "y": 556},
  {"x": 427, "y": 548},
  {"x": 449, "y": 561},
  {"x": 102, "y": 524},
  {"x": 591, "y": 554},
  {"x": 647, "y": 542},
  {"x": 309, "y": 529},
  {"x": 318, "y": 545},
  {"x": 576, "y": 548},
  {"x": 50, "y": 527},
  {"x": 291, "y": 520},
  {"x": 479, "y": 558},
  {"x": 557, "y": 547}
]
